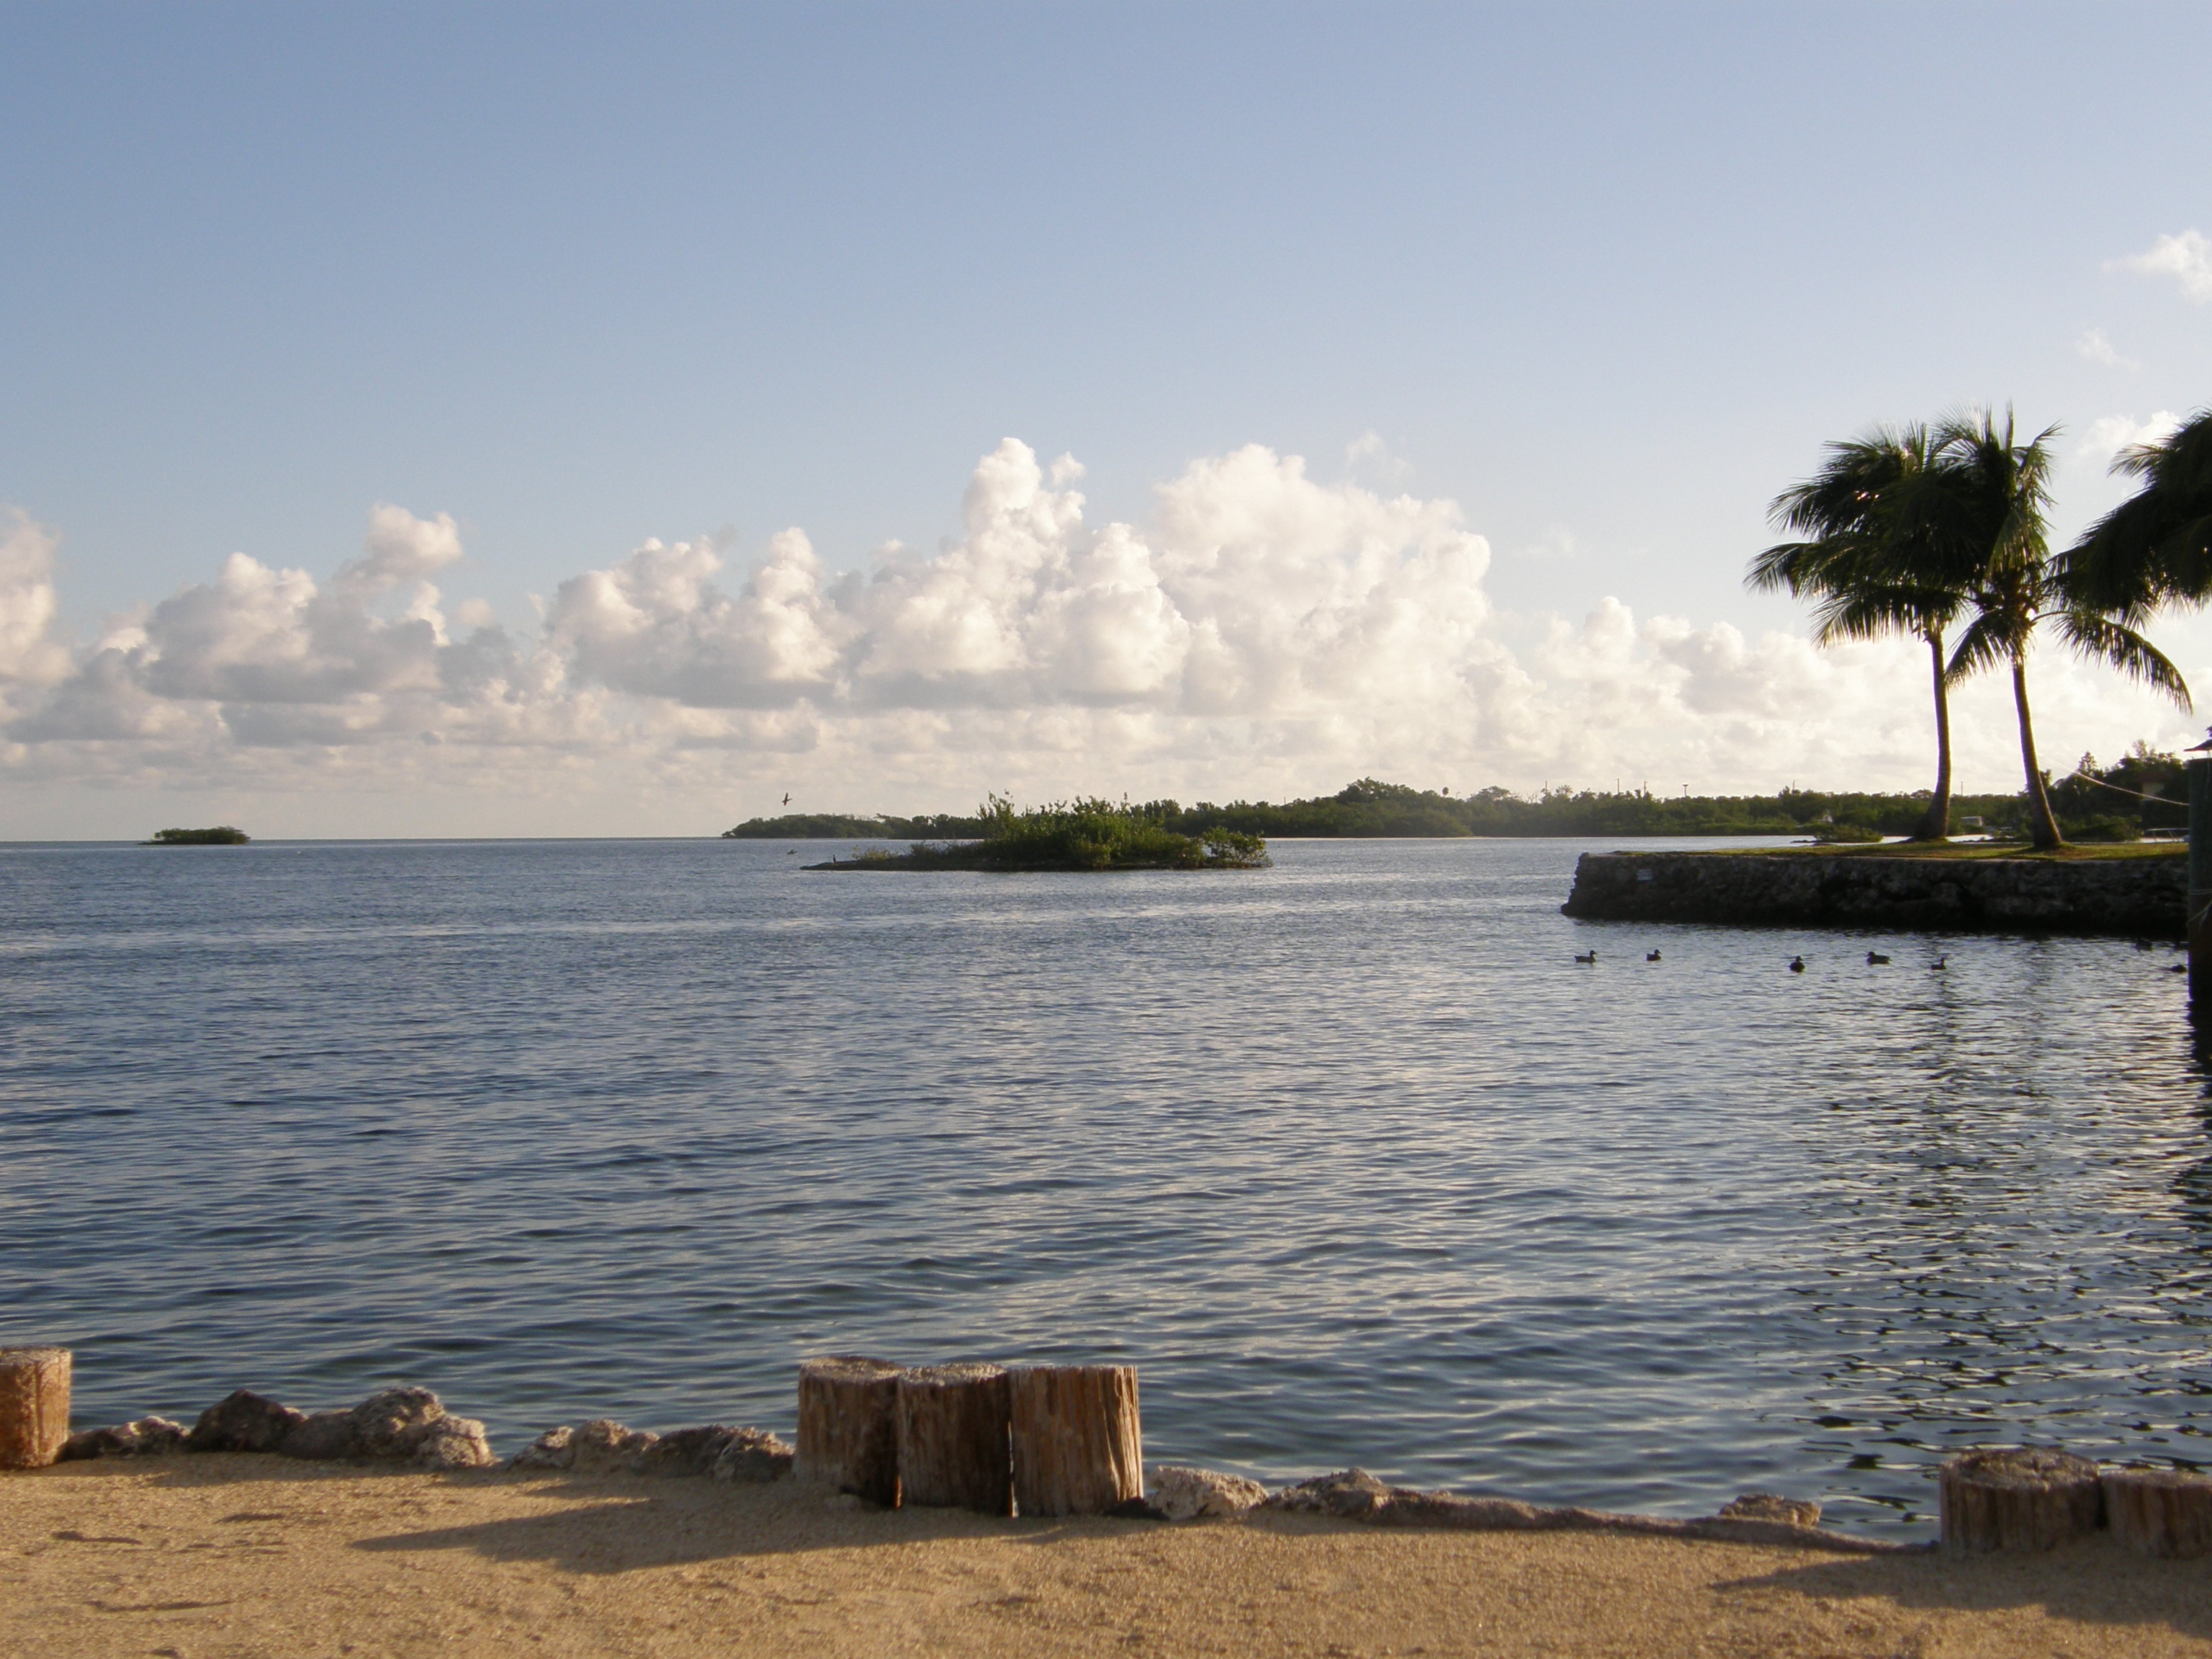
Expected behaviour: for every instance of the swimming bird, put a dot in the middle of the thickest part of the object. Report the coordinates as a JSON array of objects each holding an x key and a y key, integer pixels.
[
  {"x": 1939, "y": 964},
  {"x": 1797, "y": 965},
  {"x": 2142, "y": 944},
  {"x": 1590, "y": 955},
  {"x": 1876, "y": 961},
  {"x": 2179, "y": 968},
  {"x": 1651, "y": 956}
]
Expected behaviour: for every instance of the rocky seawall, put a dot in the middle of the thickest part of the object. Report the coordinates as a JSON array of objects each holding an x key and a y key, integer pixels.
[{"x": 2135, "y": 898}]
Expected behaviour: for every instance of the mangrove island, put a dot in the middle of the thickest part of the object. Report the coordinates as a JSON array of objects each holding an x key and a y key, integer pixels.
[{"x": 1077, "y": 835}]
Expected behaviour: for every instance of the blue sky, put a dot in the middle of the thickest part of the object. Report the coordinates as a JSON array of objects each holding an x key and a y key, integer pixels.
[{"x": 1605, "y": 277}]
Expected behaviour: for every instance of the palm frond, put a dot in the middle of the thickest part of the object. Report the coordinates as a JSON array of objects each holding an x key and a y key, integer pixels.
[
  {"x": 1871, "y": 612},
  {"x": 1837, "y": 497},
  {"x": 2155, "y": 548},
  {"x": 1981, "y": 644},
  {"x": 1796, "y": 567},
  {"x": 2123, "y": 648}
]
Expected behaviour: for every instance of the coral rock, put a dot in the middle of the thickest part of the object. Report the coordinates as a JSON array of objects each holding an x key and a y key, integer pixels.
[
  {"x": 1766, "y": 1506},
  {"x": 324, "y": 1434},
  {"x": 684, "y": 1451},
  {"x": 453, "y": 1443},
  {"x": 243, "y": 1421},
  {"x": 147, "y": 1436},
  {"x": 553, "y": 1449},
  {"x": 602, "y": 1446},
  {"x": 751, "y": 1456},
  {"x": 392, "y": 1422},
  {"x": 1352, "y": 1493},
  {"x": 1183, "y": 1494}
]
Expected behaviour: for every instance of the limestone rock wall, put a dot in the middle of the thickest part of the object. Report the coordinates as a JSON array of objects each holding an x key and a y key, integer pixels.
[{"x": 2141, "y": 897}]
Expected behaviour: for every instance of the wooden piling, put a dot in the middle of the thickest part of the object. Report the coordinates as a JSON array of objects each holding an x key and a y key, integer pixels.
[
  {"x": 954, "y": 1447},
  {"x": 2017, "y": 1499},
  {"x": 1079, "y": 1447},
  {"x": 34, "y": 1406},
  {"x": 2160, "y": 1512},
  {"x": 848, "y": 1426}
]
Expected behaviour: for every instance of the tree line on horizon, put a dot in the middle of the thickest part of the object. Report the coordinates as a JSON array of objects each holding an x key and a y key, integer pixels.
[
  {"x": 1922, "y": 529},
  {"x": 2142, "y": 792}
]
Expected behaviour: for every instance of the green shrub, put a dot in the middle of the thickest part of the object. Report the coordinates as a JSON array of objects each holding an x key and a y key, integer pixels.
[
  {"x": 2102, "y": 827},
  {"x": 1077, "y": 835}
]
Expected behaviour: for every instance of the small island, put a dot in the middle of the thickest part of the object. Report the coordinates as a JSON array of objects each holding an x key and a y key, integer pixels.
[
  {"x": 1077, "y": 834},
  {"x": 223, "y": 834}
]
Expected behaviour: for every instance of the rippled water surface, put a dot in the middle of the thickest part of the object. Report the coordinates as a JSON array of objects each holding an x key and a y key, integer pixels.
[{"x": 1350, "y": 1157}]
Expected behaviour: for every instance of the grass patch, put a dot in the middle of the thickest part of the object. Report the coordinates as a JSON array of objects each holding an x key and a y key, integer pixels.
[
  {"x": 2072, "y": 851},
  {"x": 1077, "y": 835}
]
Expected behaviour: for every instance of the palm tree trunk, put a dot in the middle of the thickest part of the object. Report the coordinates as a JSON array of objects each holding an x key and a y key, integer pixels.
[
  {"x": 1936, "y": 825},
  {"x": 2042, "y": 825}
]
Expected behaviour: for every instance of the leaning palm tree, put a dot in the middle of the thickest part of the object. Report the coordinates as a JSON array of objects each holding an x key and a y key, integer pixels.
[
  {"x": 2155, "y": 548},
  {"x": 1857, "y": 565},
  {"x": 1975, "y": 520}
]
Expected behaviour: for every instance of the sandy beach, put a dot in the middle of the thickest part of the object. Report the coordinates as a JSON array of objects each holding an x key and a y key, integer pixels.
[{"x": 212, "y": 1556}]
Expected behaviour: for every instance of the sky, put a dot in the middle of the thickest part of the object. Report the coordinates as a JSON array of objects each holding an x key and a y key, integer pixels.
[{"x": 564, "y": 420}]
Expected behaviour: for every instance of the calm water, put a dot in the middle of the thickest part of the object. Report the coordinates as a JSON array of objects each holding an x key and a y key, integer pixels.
[{"x": 1349, "y": 1156}]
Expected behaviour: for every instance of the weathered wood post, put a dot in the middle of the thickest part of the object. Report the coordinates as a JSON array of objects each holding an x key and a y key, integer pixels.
[
  {"x": 34, "y": 1406},
  {"x": 848, "y": 1426},
  {"x": 2199, "y": 917},
  {"x": 2160, "y": 1512},
  {"x": 954, "y": 1446},
  {"x": 1078, "y": 1447},
  {"x": 2021, "y": 1499}
]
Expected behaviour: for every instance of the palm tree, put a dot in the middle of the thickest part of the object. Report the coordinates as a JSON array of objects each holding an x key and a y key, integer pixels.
[
  {"x": 2155, "y": 548},
  {"x": 1865, "y": 578},
  {"x": 1975, "y": 515}
]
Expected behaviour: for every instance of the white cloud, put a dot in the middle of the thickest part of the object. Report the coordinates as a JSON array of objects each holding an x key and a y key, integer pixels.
[
  {"x": 30, "y": 654},
  {"x": 1558, "y": 545},
  {"x": 2187, "y": 258},
  {"x": 2096, "y": 348},
  {"x": 1259, "y": 633},
  {"x": 1369, "y": 456},
  {"x": 2109, "y": 434},
  {"x": 656, "y": 626}
]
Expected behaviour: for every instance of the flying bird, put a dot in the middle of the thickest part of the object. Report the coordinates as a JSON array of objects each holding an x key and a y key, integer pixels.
[{"x": 787, "y": 798}]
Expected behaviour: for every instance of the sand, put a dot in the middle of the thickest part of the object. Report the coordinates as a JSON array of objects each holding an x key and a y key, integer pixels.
[{"x": 202, "y": 1557}]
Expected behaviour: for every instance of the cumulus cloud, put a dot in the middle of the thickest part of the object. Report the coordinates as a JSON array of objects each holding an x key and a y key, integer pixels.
[
  {"x": 1259, "y": 633},
  {"x": 656, "y": 626},
  {"x": 30, "y": 653},
  {"x": 2096, "y": 348},
  {"x": 2187, "y": 258},
  {"x": 2109, "y": 434}
]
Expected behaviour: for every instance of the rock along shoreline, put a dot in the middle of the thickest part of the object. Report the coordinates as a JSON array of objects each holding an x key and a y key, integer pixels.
[{"x": 409, "y": 1428}]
